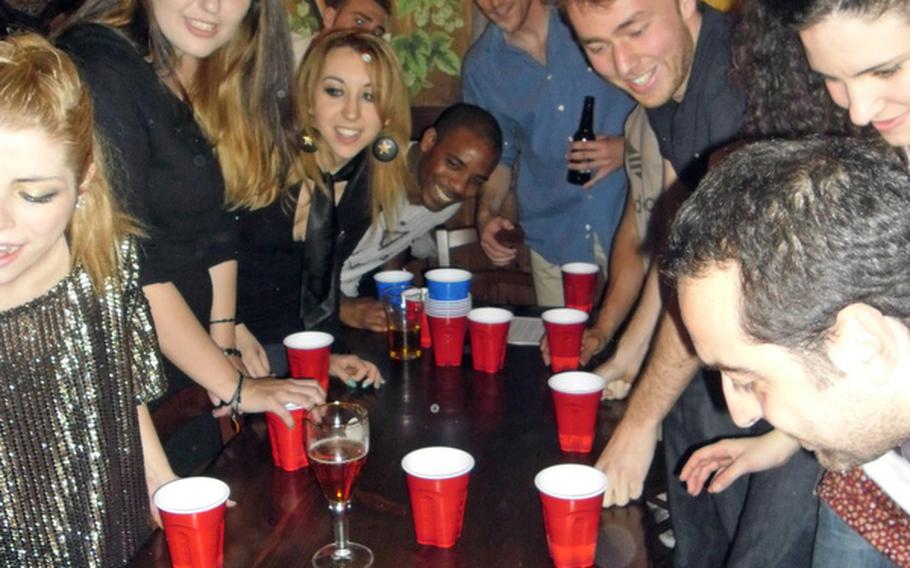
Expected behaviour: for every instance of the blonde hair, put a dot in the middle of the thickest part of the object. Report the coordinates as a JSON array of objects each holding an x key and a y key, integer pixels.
[
  {"x": 243, "y": 99},
  {"x": 40, "y": 88},
  {"x": 389, "y": 181}
]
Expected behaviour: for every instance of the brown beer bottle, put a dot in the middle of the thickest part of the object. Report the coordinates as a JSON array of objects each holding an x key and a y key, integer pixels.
[{"x": 585, "y": 132}]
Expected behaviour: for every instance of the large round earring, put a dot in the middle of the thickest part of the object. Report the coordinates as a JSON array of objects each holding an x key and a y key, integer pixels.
[
  {"x": 308, "y": 144},
  {"x": 385, "y": 148}
]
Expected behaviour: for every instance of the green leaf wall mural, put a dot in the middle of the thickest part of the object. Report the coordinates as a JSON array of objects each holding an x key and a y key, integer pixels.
[{"x": 429, "y": 36}]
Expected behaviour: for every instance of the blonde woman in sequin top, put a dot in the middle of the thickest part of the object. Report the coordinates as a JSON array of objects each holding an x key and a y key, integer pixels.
[{"x": 79, "y": 456}]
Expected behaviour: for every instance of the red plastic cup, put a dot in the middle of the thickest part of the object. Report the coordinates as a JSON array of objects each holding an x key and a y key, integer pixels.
[
  {"x": 438, "y": 485},
  {"x": 489, "y": 331},
  {"x": 448, "y": 339},
  {"x": 576, "y": 396},
  {"x": 579, "y": 281},
  {"x": 571, "y": 496},
  {"x": 565, "y": 327},
  {"x": 192, "y": 512},
  {"x": 288, "y": 444},
  {"x": 425, "y": 340},
  {"x": 308, "y": 355}
]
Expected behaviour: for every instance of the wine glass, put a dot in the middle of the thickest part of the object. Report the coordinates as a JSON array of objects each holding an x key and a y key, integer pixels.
[{"x": 338, "y": 439}]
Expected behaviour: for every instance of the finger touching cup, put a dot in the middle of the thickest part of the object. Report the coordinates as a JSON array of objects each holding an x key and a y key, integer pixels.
[
  {"x": 288, "y": 444},
  {"x": 192, "y": 512},
  {"x": 565, "y": 328}
]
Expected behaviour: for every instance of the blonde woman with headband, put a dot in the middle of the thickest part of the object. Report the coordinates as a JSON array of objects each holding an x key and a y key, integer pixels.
[
  {"x": 173, "y": 82},
  {"x": 79, "y": 456},
  {"x": 354, "y": 106}
]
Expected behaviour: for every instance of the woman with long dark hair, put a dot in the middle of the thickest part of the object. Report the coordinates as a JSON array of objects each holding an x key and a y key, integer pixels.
[{"x": 174, "y": 81}]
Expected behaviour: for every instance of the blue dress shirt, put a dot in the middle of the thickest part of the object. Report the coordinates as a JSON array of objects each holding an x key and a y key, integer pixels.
[{"x": 538, "y": 107}]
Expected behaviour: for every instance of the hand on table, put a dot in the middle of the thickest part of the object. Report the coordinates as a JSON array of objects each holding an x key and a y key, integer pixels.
[
  {"x": 499, "y": 254},
  {"x": 626, "y": 461},
  {"x": 270, "y": 395},
  {"x": 731, "y": 458},
  {"x": 352, "y": 370},
  {"x": 602, "y": 156},
  {"x": 618, "y": 373},
  {"x": 363, "y": 313}
]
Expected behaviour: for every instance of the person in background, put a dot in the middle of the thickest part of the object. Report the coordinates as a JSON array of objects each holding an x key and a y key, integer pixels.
[
  {"x": 367, "y": 15},
  {"x": 152, "y": 73},
  {"x": 528, "y": 72},
  {"x": 353, "y": 101},
  {"x": 451, "y": 162},
  {"x": 673, "y": 57},
  {"x": 79, "y": 456}
]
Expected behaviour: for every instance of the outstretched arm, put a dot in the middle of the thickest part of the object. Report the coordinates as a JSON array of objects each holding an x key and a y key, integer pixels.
[
  {"x": 186, "y": 344},
  {"x": 729, "y": 459},
  {"x": 629, "y": 452}
]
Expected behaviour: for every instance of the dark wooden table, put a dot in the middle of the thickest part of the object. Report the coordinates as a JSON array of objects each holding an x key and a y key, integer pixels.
[{"x": 505, "y": 421}]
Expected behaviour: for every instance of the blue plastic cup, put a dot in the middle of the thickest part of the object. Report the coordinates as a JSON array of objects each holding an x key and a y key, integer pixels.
[
  {"x": 392, "y": 280},
  {"x": 448, "y": 283}
]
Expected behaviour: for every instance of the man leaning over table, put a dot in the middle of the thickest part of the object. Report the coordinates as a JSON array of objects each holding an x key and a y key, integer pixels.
[
  {"x": 451, "y": 162},
  {"x": 799, "y": 293},
  {"x": 673, "y": 57},
  {"x": 528, "y": 72}
]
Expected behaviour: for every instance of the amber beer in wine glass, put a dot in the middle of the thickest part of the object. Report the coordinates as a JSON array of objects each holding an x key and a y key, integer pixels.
[{"x": 338, "y": 440}]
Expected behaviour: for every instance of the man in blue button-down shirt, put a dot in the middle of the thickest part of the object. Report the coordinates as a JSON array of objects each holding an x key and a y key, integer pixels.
[{"x": 526, "y": 69}]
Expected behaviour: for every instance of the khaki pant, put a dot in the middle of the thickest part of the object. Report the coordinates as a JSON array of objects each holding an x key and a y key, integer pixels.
[{"x": 548, "y": 277}]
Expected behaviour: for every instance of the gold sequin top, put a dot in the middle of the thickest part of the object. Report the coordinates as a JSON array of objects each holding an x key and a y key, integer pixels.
[{"x": 73, "y": 368}]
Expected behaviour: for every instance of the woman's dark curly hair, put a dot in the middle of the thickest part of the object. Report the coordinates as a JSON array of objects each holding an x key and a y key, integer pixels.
[{"x": 784, "y": 97}]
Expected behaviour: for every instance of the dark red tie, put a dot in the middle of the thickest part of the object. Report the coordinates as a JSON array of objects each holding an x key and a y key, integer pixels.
[{"x": 868, "y": 510}]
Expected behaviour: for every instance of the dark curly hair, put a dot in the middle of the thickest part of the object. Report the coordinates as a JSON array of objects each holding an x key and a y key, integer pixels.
[
  {"x": 813, "y": 225},
  {"x": 804, "y": 13},
  {"x": 784, "y": 97}
]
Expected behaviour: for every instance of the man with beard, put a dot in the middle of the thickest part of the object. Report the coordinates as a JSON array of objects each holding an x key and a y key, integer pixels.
[
  {"x": 798, "y": 292},
  {"x": 450, "y": 163},
  {"x": 673, "y": 57}
]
